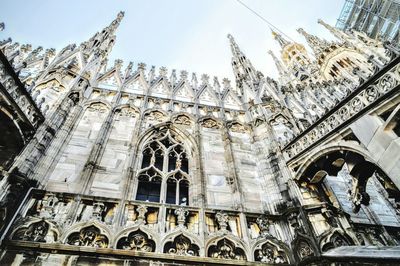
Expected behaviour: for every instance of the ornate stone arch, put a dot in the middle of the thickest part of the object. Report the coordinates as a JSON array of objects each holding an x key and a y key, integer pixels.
[
  {"x": 51, "y": 80},
  {"x": 182, "y": 153},
  {"x": 90, "y": 233},
  {"x": 236, "y": 126},
  {"x": 341, "y": 146},
  {"x": 156, "y": 114},
  {"x": 126, "y": 109},
  {"x": 137, "y": 227},
  {"x": 190, "y": 143},
  {"x": 37, "y": 230},
  {"x": 210, "y": 122},
  {"x": 333, "y": 239},
  {"x": 330, "y": 160},
  {"x": 226, "y": 247},
  {"x": 183, "y": 118},
  {"x": 182, "y": 244},
  {"x": 98, "y": 104},
  {"x": 271, "y": 250},
  {"x": 303, "y": 248},
  {"x": 137, "y": 239}
]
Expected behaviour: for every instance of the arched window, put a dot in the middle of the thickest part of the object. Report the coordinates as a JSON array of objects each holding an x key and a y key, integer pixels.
[{"x": 164, "y": 174}]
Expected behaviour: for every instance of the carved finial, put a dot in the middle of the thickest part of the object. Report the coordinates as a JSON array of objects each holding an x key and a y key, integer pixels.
[
  {"x": 181, "y": 214},
  {"x": 141, "y": 66},
  {"x": 50, "y": 52},
  {"x": 226, "y": 82},
  {"x": 194, "y": 80},
  {"x": 2, "y": 26},
  {"x": 163, "y": 71},
  {"x": 216, "y": 84},
  {"x": 204, "y": 79},
  {"x": 141, "y": 210},
  {"x": 278, "y": 37},
  {"x": 263, "y": 224},
  {"x": 184, "y": 75},
  {"x": 151, "y": 74},
  {"x": 118, "y": 64},
  {"x": 222, "y": 220},
  {"x": 26, "y": 48},
  {"x": 172, "y": 78},
  {"x": 128, "y": 69}
]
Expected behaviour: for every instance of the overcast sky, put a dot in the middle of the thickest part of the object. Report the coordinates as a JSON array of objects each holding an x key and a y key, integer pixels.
[{"x": 179, "y": 34}]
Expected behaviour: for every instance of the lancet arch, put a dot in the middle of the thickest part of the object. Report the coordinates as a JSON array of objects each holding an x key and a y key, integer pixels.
[{"x": 166, "y": 166}]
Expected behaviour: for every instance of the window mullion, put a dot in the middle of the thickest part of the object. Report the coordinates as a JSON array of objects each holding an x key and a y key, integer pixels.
[{"x": 177, "y": 193}]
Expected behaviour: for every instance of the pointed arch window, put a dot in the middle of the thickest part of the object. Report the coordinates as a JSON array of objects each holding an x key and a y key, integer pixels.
[{"x": 164, "y": 174}]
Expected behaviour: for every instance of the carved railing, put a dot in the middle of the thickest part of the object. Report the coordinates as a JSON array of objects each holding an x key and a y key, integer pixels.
[{"x": 379, "y": 87}]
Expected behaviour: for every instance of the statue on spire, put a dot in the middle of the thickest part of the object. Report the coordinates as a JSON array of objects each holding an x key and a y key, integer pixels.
[{"x": 278, "y": 37}]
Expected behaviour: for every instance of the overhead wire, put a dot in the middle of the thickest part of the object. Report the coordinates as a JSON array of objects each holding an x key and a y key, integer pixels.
[{"x": 264, "y": 19}]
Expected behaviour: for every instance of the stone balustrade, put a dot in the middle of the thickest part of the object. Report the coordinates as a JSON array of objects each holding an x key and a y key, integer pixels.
[{"x": 85, "y": 221}]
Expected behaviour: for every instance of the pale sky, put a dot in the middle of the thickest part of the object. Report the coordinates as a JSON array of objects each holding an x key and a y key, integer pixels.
[{"x": 178, "y": 34}]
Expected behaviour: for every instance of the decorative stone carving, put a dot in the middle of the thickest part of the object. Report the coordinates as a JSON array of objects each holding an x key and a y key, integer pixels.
[
  {"x": 353, "y": 106},
  {"x": 98, "y": 209},
  {"x": 226, "y": 249},
  {"x": 141, "y": 210},
  {"x": 36, "y": 232},
  {"x": 263, "y": 224},
  {"x": 335, "y": 240},
  {"x": 127, "y": 112},
  {"x": 222, "y": 220},
  {"x": 210, "y": 123},
  {"x": 88, "y": 237},
  {"x": 293, "y": 220},
  {"x": 98, "y": 107},
  {"x": 270, "y": 254},
  {"x": 156, "y": 116},
  {"x": 181, "y": 246},
  {"x": 183, "y": 120},
  {"x": 137, "y": 241},
  {"x": 48, "y": 204},
  {"x": 237, "y": 127},
  {"x": 181, "y": 214},
  {"x": 304, "y": 250}
]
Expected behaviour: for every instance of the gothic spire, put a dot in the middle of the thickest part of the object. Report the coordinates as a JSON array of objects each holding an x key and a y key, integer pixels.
[
  {"x": 336, "y": 32},
  {"x": 282, "y": 41},
  {"x": 278, "y": 63},
  {"x": 242, "y": 67},
  {"x": 316, "y": 44},
  {"x": 101, "y": 43}
]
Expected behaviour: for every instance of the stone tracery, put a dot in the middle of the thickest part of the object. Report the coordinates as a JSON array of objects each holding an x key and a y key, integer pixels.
[
  {"x": 138, "y": 241},
  {"x": 226, "y": 249},
  {"x": 182, "y": 246},
  {"x": 90, "y": 236}
]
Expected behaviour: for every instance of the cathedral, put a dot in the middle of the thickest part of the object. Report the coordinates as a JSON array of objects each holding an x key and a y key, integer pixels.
[{"x": 106, "y": 164}]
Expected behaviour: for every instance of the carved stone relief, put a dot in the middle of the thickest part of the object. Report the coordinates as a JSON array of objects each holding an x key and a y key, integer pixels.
[
  {"x": 90, "y": 236},
  {"x": 181, "y": 246},
  {"x": 138, "y": 241},
  {"x": 226, "y": 249}
]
